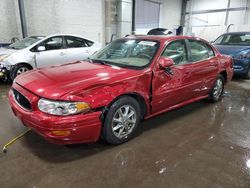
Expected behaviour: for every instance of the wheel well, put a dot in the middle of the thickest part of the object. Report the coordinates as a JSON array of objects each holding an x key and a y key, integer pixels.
[
  {"x": 136, "y": 96},
  {"x": 224, "y": 74},
  {"x": 141, "y": 102},
  {"x": 26, "y": 64},
  {"x": 13, "y": 69}
]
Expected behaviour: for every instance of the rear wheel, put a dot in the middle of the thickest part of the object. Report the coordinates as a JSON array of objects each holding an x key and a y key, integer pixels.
[
  {"x": 121, "y": 121},
  {"x": 218, "y": 88}
]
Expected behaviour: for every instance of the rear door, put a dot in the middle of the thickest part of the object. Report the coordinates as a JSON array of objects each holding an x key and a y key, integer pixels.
[
  {"x": 78, "y": 48},
  {"x": 55, "y": 52},
  {"x": 205, "y": 65}
]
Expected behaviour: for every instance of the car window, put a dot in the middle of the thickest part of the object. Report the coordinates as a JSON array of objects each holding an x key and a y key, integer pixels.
[
  {"x": 234, "y": 39},
  {"x": 89, "y": 43},
  {"x": 219, "y": 40},
  {"x": 210, "y": 51},
  {"x": 199, "y": 50},
  {"x": 75, "y": 42},
  {"x": 53, "y": 43},
  {"x": 177, "y": 51}
]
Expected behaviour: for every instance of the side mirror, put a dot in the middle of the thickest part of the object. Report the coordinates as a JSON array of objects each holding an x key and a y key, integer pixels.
[
  {"x": 165, "y": 64},
  {"x": 41, "y": 48}
]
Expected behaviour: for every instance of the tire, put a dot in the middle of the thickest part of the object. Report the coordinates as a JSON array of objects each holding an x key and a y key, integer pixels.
[
  {"x": 216, "y": 94},
  {"x": 19, "y": 69},
  {"x": 119, "y": 127}
]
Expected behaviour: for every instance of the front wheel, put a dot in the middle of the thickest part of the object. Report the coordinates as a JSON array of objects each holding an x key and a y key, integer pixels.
[
  {"x": 19, "y": 69},
  {"x": 121, "y": 121},
  {"x": 218, "y": 88}
]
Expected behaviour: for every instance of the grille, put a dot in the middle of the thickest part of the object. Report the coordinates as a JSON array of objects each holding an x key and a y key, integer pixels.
[{"x": 21, "y": 100}]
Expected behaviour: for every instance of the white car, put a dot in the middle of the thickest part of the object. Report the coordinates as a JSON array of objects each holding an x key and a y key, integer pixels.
[{"x": 36, "y": 52}]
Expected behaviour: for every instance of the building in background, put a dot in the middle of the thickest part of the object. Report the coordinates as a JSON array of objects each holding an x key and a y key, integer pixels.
[
  {"x": 99, "y": 20},
  {"x": 210, "y": 18},
  {"x": 103, "y": 21}
]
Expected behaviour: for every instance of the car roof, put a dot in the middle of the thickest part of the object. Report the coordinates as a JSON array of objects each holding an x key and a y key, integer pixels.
[
  {"x": 73, "y": 35},
  {"x": 37, "y": 36},
  {"x": 162, "y": 38},
  {"x": 63, "y": 34}
]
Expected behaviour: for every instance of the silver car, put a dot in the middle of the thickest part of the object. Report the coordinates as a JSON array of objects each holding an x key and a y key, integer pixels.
[{"x": 37, "y": 51}]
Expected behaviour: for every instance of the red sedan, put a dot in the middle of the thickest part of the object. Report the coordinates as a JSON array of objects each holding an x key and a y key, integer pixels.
[{"x": 107, "y": 95}]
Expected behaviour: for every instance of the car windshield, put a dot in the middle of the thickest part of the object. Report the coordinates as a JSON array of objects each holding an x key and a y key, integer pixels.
[
  {"x": 233, "y": 39},
  {"x": 131, "y": 53},
  {"x": 24, "y": 43}
]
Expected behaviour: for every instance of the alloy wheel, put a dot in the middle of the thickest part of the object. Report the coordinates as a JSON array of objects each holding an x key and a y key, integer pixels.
[
  {"x": 218, "y": 88},
  {"x": 22, "y": 70},
  {"x": 124, "y": 121}
]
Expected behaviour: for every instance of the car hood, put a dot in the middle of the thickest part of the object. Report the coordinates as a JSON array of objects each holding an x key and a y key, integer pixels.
[
  {"x": 6, "y": 51},
  {"x": 230, "y": 50},
  {"x": 56, "y": 81}
]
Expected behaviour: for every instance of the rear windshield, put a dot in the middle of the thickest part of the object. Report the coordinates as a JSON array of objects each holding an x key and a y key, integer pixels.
[{"x": 233, "y": 39}]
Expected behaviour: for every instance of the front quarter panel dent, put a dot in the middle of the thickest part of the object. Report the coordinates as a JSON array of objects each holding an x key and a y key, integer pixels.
[{"x": 103, "y": 95}]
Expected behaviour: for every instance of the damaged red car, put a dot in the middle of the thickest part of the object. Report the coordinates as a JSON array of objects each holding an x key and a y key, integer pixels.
[{"x": 107, "y": 95}]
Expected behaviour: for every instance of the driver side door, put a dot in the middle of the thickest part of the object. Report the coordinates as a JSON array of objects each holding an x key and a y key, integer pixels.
[
  {"x": 172, "y": 89},
  {"x": 54, "y": 53}
]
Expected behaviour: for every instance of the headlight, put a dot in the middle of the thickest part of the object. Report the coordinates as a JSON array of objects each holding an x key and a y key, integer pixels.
[
  {"x": 245, "y": 54},
  {"x": 8, "y": 67},
  {"x": 62, "y": 108},
  {"x": 3, "y": 57}
]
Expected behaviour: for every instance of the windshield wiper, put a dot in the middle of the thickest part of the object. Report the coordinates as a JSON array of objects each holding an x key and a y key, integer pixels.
[
  {"x": 10, "y": 47},
  {"x": 89, "y": 60},
  {"x": 99, "y": 61}
]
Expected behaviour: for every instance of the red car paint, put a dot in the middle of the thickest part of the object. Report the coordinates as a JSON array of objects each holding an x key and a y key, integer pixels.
[{"x": 100, "y": 85}]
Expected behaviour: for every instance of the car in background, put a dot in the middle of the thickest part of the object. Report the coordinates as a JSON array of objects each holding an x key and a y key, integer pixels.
[
  {"x": 52, "y": 50},
  {"x": 237, "y": 45},
  {"x": 19, "y": 45},
  {"x": 159, "y": 31},
  {"x": 107, "y": 95},
  {"x": 164, "y": 31}
]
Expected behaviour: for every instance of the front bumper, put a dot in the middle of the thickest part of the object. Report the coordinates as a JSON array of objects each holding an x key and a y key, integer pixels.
[
  {"x": 83, "y": 128},
  {"x": 241, "y": 66}
]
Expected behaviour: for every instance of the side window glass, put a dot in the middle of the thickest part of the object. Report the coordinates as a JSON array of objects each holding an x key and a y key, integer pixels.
[
  {"x": 177, "y": 52},
  {"x": 53, "y": 43},
  {"x": 74, "y": 42},
  {"x": 210, "y": 51},
  {"x": 199, "y": 50},
  {"x": 89, "y": 43}
]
